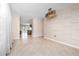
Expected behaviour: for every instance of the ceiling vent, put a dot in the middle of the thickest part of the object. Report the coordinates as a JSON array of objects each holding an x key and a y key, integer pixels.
[{"x": 50, "y": 14}]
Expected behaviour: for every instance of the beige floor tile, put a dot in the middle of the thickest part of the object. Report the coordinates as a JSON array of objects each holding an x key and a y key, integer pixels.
[{"x": 41, "y": 47}]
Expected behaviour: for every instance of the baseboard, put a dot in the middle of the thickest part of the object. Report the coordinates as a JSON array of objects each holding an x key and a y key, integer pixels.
[
  {"x": 62, "y": 42},
  {"x": 36, "y": 35}
]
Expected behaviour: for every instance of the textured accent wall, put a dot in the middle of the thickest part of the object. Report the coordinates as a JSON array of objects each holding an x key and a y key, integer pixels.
[{"x": 64, "y": 27}]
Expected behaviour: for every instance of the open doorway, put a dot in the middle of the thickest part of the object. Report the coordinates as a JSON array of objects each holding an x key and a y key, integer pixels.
[
  {"x": 26, "y": 30},
  {"x": 25, "y": 27}
]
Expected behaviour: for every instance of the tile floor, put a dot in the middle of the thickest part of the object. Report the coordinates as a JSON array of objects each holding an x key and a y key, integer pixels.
[{"x": 41, "y": 47}]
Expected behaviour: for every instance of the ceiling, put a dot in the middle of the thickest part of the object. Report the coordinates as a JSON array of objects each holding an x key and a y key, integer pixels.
[{"x": 29, "y": 10}]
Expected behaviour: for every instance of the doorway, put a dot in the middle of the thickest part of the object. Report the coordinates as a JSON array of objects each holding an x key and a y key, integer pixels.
[{"x": 26, "y": 30}]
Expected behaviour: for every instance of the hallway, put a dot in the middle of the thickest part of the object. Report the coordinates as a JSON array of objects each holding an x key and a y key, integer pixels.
[
  {"x": 59, "y": 22},
  {"x": 41, "y": 47}
]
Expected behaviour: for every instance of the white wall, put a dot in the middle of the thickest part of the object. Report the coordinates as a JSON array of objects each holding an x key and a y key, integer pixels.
[
  {"x": 15, "y": 27},
  {"x": 65, "y": 26},
  {"x": 5, "y": 28},
  {"x": 37, "y": 27}
]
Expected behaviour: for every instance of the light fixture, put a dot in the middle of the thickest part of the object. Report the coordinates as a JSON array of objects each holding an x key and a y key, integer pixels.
[{"x": 51, "y": 13}]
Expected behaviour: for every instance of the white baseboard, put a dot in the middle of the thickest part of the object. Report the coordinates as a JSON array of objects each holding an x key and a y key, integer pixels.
[
  {"x": 36, "y": 35},
  {"x": 62, "y": 43}
]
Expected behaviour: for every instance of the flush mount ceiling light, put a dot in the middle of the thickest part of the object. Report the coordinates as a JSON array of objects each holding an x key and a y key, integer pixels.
[{"x": 50, "y": 14}]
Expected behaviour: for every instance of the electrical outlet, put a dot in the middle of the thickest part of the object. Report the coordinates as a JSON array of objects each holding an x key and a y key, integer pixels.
[{"x": 54, "y": 35}]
